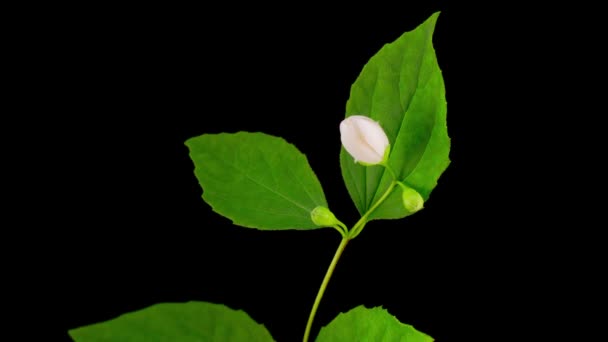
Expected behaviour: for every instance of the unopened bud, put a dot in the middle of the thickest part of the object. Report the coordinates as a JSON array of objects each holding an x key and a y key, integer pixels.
[
  {"x": 412, "y": 199},
  {"x": 364, "y": 139},
  {"x": 321, "y": 216}
]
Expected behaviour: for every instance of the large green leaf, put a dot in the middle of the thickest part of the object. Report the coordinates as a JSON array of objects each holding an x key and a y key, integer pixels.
[
  {"x": 184, "y": 322},
  {"x": 256, "y": 180},
  {"x": 402, "y": 88},
  {"x": 376, "y": 324}
]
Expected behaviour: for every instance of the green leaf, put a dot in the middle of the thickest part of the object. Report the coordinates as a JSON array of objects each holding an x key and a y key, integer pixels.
[
  {"x": 402, "y": 88},
  {"x": 256, "y": 180},
  {"x": 375, "y": 324},
  {"x": 184, "y": 322}
]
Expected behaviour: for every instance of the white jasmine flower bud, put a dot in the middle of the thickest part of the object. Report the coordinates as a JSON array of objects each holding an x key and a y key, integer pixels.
[{"x": 364, "y": 139}]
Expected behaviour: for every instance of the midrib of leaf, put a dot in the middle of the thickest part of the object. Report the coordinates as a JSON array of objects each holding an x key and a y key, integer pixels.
[
  {"x": 404, "y": 111},
  {"x": 264, "y": 185},
  {"x": 425, "y": 148},
  {"x": 302, "y": 184},
  {"x": 290, "y": 173},
  {"x": 396, "y": 135},
  {"x": 268, "y": 166},
  {"x": 241, "y": 205},
  {"x": 303, "y": 187},
  {"x": 426, "y": 145}
]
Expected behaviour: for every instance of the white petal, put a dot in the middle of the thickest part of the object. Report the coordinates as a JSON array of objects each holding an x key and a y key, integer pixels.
[
  {"x": 374, "y": 134},
  {"x": 363, "y": 138}
]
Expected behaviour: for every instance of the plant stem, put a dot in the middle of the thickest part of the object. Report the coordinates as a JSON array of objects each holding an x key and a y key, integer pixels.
[
  {"x": 330, "y": 271},
  {"x": 363, "y": 220},
  {"x": 390, "y": 170},
  {"x": 345, "y": 238},
  {"x": 341, "y": 230}
]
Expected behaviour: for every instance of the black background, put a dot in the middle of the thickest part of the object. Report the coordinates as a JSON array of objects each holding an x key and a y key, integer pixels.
[{"x": 122, "y": 224}]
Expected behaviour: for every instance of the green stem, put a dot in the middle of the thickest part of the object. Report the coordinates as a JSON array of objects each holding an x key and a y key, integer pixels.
[
  {"x": 390, "y": 170},
  {"x": 358, "y": 227},
  {"x": 403, "y": 186},
  {"x": 349, "y": 235},
  {"x": 341, "y": 229},
  {"x": 330, "y": 271}
]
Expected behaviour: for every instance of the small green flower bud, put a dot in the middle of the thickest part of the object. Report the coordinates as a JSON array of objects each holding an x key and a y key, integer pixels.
[
  {"x": 412, "y": 199},
  {"x": 321, "y": 216}
]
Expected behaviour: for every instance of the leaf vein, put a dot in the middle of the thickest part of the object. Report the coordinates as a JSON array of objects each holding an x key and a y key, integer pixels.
[
  {"x": 302, "y": 184},
  {"x": 405, "y": 111},
  {"x": 271, "y": 190},
  {"x": 352, "y": 177}
]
